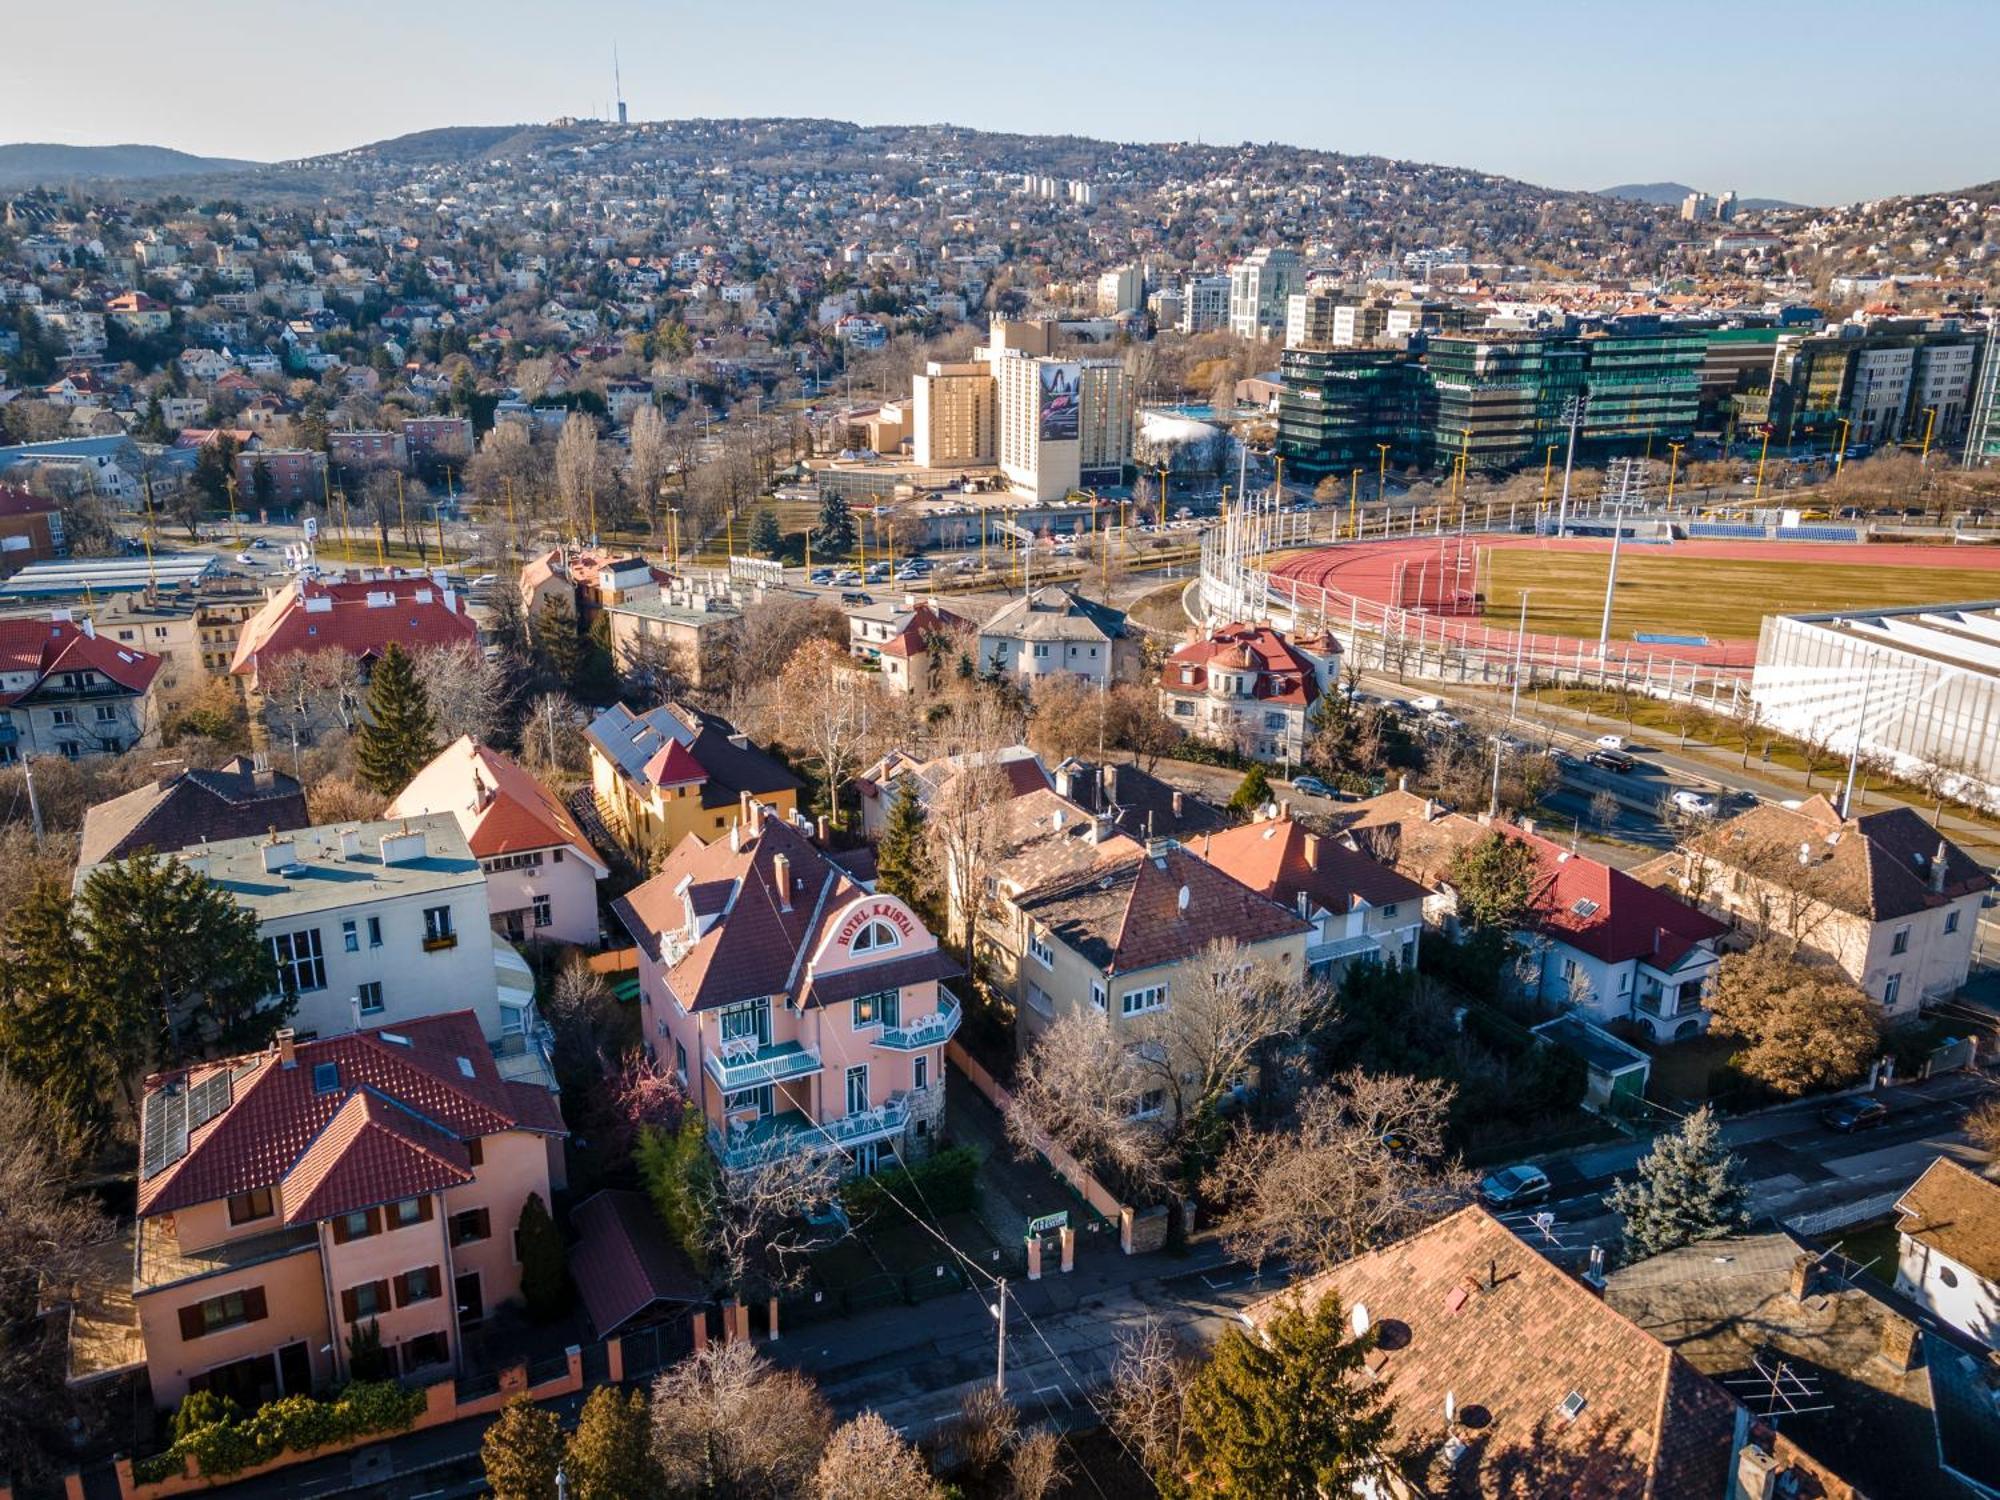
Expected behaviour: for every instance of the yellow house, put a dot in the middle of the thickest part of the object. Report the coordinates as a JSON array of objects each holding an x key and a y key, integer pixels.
[{"x": 674, "y": 771}]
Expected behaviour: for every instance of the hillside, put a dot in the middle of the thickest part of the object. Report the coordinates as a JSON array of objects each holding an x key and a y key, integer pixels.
[
  {"x": 1670, "y": 194},
  {"x": 30, "y": 163}
]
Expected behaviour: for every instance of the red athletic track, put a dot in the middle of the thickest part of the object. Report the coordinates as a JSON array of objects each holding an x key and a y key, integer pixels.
[{"x": 1367, "y": 571}]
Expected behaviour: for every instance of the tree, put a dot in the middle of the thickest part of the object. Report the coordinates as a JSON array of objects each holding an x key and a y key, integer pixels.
[
  {"x": 865, "y": 1459},
  {"x": 1689, "y": 1188},
  {"x": 1147, "y": 1405},
  {"x": 902, "y": 856},
  {"x": 765, "y": 537},
  {"x": 678, "y": 1170},
  {"x": 173, "y": 967},
  {"x": 577, "y": 474},
  {"x": 366, "y": 1359},
  {"x": 522, "y": 1451},
  {"x": 545, "y": 1282},
  {"x": 647, "y": 466},
  {"x": 833, "y": 536},
  {"x": 824, "y": 711},
  {"x": 1251, "y": 793},
  {"x": 1035, "y": 1468},
  {"x": 465, "y": 688},
  {"x": 652, "y": 668},
  {"x": 55, "y": 1036},
  {"x": 398, "y": 735},
  {"x": 609, "y": 1456},
  {"x": 1357, "y": 1168},
  {"x": 1807, "y": 1024},
  {"x": 1285, "y": 1414},
  {"x": 1983, "y": 1126},
  {"x": 726, "y": 1422},
  {"x": 1495, "y": 882}
]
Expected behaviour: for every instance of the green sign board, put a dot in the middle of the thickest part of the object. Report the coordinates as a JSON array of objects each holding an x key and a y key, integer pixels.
[{"x": 1049, "y": 1222}]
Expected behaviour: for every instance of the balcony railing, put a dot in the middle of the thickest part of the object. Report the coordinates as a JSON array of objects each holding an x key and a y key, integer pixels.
[
  {"x": 746, "y": 1143},
  {"x": 1339, "y": 948},
  {"x": 739, "y": 1066},
  {"x": 438, "y": 941},
  {"x": 926, "y": 1031}
]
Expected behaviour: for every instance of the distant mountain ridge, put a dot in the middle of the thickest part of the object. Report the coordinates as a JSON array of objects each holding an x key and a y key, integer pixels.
[
  {"x": 34, "y": 163},
  {"x": 1670, "y": 194}
]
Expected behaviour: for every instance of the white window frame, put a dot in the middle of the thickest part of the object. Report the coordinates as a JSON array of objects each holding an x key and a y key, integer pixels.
[
  {"x": 1039, "y": 948},
  {"x": 1141, "y": 1001}
]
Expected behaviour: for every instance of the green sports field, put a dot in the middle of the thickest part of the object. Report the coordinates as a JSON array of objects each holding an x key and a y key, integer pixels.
[{"x": 1723, "y": 598}]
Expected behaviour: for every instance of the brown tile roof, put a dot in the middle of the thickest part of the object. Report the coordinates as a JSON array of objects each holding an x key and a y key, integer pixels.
[
  {"x": 1465, "y": 1308},
  {"x": 1956, "y": 1212},
  {"x": 372, "y": 1152},
  {"x": 1279, "y": 858},
  {"x": 623, "y": 1261},
  {"x": 438, "y": 1069},
  {"x": 233, "y": 801},
  {"x": 337, "y": 615},
  {"x": 502, "y": 809},
  {"x": 1282, "y": 674},
  {"x": 1416, "y": 835}
]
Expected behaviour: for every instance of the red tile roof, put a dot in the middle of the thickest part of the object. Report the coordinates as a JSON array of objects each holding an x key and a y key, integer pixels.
[
  {"x": 502, "y": 809},
  {"x": 46, "y": 646},
  {"x": 15, "y": 501},
  {"x": 372, "y": 1152},
  {"x": 1606, "y": 913},
  {"x": 310, "y": 616},
  {"x": 624, "y": 1262},
  {"x": 1278, "y": 858},
  {"x": 1283, "y": 675},
  {"x": 437, "y": 1069}
]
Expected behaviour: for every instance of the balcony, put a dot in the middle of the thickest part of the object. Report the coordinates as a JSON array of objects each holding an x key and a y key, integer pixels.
[
  {"x": 746, "y": 1143},
  {"x": 1359, "y": 946},
  {"x": 439, "y": 941},
  {"x": 160, "y": 1260},
  {"x": 743, "y": 1064},
  {"x": 940, "y": 1026}
]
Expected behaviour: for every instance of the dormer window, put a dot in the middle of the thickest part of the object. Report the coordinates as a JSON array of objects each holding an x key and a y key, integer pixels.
[{"x": 874, "y": 936}]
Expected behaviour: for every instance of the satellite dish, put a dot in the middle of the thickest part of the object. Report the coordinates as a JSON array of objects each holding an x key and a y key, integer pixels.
[
  {"x": 1358, "y": 1318},
  {"x": 1450, "y": 1407}
]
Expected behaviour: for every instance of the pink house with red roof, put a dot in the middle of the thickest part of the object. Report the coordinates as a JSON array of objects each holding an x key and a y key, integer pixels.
[
  {"x": 356, "y": 614},
  {"x": 288, "y": 1197},
  {"x": 66, "y": 690},
  {"x": 1249, "y": 687},
  {"x": 802, "y": 1009}
]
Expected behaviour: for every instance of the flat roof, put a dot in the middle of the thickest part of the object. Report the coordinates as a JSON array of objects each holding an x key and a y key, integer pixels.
[
  {"x": 110, "y": 575},
  {"x": 1598, "y": 1047}
]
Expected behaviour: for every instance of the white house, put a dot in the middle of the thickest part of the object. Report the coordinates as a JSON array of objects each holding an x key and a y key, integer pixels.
[{"x": 1948, "y": 1255}]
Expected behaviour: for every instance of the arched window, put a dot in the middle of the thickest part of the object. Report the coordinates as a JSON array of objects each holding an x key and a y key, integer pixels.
[{"x": 875, "y": 935}]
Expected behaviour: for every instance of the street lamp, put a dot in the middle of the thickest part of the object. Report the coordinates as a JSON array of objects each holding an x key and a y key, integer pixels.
[{"x": 1673, "y": 470}]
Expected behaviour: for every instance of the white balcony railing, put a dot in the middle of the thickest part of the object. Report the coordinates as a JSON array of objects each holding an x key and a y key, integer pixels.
[
  {"x": 940, "y": 1026},
  {"x": 741, "y": 1063},
  {"x": 1339, "y": 948},
  {"x": 743, "y": 1143}
]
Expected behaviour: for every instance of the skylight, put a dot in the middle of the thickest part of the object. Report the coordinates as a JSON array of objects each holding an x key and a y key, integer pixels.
[
  {"x": 326, "y": 1077},
  {"x": 395, "y": 1037},
  {"x": 1583, "y": 906},
  {"x": 465, "y": 1067}
]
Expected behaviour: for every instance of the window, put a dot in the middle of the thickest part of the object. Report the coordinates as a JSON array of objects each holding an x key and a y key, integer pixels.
[
  {"x": 882, "y": 1008},
  {"x": 104, "y": 713},
  {"x": 370, "y": 994},
  {"x": 1274, "y": 721},
  {"x": 424, "y": 1351},
  {"x": 529, "y": 861},
  {"x": 1136, "y": 1002},
  {"x": 1947, "y": 1276},
  {"x": 1899, "y": 942},
  {"x": 1951, "y": 921},
  {"x": 245, "y": 1208},
  {"x": 920, "y": 1077},
  {"x": 301, "y": 965},
  {"x": 857, "y": 1089},
  {"x": 230, "y": 1310},
  {"x": 1183, "y": 708},
  {"x": 544, "y": 916},
  {"x": 471, "y": 1226},
  {"x": 357, "y": 1226},
  {"x": 1041, "y": 651},
  {"x": 681, "y": 1063},
  {"x": 420, "y": 1285},
  {"x": 326, "y": 1077},
  {"x": 555, "y": 856},
  {"x": 875, "y": 935},
  {"x": 64, "y": 717},
  {"x": 475, "y": 1149},
  {"x": 1042, "y": 953},
  {"x": 1149, "y": 1103},
  {"x": 374, "y": 932},
  {"x": 758, "y": 1099},
  {"x": 437, "y": 928},
  {"x": 350, "y": 938},
  {"x": 1098, "y": 995},
  {"x": 368, "y": 1300},
  {"x": 1389, "y": 910},
  {"x": 1891, "y": 987},
  {"x": 410, "y": 1211},
  {"x": 750, "y": 1022}
]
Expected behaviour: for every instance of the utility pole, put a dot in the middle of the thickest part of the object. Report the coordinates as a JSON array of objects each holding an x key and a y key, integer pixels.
[
  {"x": 1572, "y": 414},
  {"x": 1000, "y": 1352},
  {"x": 1520, "y": 637},
  {"x": 1617, "y": 531},
  {"x": 34, "y": 805}
]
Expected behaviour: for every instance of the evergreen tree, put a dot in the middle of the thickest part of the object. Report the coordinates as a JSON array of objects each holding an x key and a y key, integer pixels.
[
  {"x": 679, "y": 1172},
  {"x": 545, "y": 1285},
  {"x": 262, "y": 485},
  {"x": 1689, "y": 1188},
  {"x": 765, "y": 537},
  {"x": 1252, "y": 792},
  {"x": 365, "y": 1357},
  {"x": 154, "y": 428},
  {"x": 522, "y": 1452},
  {"x": 398, "y": 734},
  {"x": 833, "y": 537},
  {"x": 1495, "y": 882},
  {"x": 558, "y": 644},
  {"x": 902, "y": 856},
  {"x": 53, "y": 1036},
  {"x": 1286, "y": 1416},
  {"x": 610, "y": 1456}
]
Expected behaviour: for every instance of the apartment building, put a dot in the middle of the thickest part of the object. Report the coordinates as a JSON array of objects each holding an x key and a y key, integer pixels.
[
  {"x": 357, "y": 452},
  {"x": 1260, "y": 286},
  {"x": 296, "y": 476},
  {"x": 1055, "y": 630},
  {"x": 953, "y": 416},
  {"x": 1204, "y": 304},
  {"x": 193, "y": 632},
  {"x": 353, "y": 613},
  {"x": 1312, "y": 317},
  {"x": 1121, "y": 291},
  {"x": 674, "y": 771},
  {"x": 1249, "y": 688},
  {"x": 895, "y": 639},
  {"x": 291, "y": 1197},
  {"x": 1900, "y": 380},
  {"x": 1361, "y": 911},
  {"x": 432, "y": 441},
  {"x": 800, "y": 1010},
  {"x": 66, "y": 690},
  {"x": 31, "y": 529},
  {"x": 1061, "y": 424},
  {"x": 541, "y": 871}
]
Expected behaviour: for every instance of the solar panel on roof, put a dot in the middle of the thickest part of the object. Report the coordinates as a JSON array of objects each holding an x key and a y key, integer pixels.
[
  {"x": 207, "y": 1099},
  {"x": 166, "y": 1136}
]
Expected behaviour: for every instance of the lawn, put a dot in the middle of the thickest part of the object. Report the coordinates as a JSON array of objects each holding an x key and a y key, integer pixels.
[{"x": 1725, "y": 598}]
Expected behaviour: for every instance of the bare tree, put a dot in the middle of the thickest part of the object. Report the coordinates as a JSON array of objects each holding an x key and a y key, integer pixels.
[
  {"x": 1147, "y": 1403},
  {"x": 1815, "y": 745},
  {"x": 647, "y": 466},
  {"x": 1035, "y": 1467},
  {"x": 824, "y": 710},
  {"x": 728, "y": 1422},
  {"x": 758, "y": 1233},
  {"x": 578, "y": 474},
  {"x": 550, "y": 744},
  {"x": 865, "y": 1459},
  {"x": 651, "y": 668},
  {"x": 467, "y": 689},
  {"x": 305, "y": 694},
  {"x": 1080, "y": 1087},
  {"x": 1360, "y": 1167}
]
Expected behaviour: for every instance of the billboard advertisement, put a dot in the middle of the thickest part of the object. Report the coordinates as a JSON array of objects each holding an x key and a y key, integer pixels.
[{"x": 1061, "y": 395}]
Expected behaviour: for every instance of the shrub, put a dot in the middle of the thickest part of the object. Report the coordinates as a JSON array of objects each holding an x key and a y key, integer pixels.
[
  {"x": 224, "y": 1442},
  {"x": 945, "y": 1182},
  {"x": 545, "y": 1284}
]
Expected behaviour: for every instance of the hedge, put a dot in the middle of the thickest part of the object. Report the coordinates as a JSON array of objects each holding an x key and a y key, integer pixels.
[
  {"x": 291, "y": 1423},
  {"x": 944, "y": 1183}
]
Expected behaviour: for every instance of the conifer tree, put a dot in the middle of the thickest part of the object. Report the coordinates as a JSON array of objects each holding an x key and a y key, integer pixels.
[
  {"x": 398, "y": 734},
  {"x": 1252, "y": 792},
  {"x": 545, "y": 1284},
  {"x": 1286, "y": 1416},
  {"x": 902, "y": 857},
  {"x": 765, "y": 536},
  {"x": 609, "y": 1456},
  {"x": 522, "y": 1452},
  {"x": 1689, "y": 1188},
  {"x": 834, "y": 536}
]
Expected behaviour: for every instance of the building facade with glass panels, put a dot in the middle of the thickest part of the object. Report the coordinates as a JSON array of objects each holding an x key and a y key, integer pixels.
[{"x": 1337, "y": 406}]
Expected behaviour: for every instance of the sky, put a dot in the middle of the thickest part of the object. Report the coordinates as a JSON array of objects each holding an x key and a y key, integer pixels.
[{"x": 1823, "y": 102}]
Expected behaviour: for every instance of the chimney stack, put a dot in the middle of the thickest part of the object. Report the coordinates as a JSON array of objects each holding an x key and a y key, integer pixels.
[
  {"x": 781, "y": 871},
  {"x": 1430, "y": 810},
  {"x": 288, "y": 1056},
  {"x": 1940, "y": 864},
  {"x": 1180, "y": 803},
  {"x": 820, "y": 828},
  {"x": 1901, "y": 1342},
  {"x": 1312, "y": 851},
  {"x": 1801, "y": 1283}
]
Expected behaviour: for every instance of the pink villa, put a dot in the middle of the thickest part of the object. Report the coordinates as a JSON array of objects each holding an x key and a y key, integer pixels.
[
  {"x": 801, "y": 1008},
  {"x": 290, "y": 1196},
  {"x": 541, "y": 871}
]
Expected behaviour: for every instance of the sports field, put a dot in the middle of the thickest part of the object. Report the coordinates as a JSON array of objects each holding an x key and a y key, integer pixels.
[{"x": 1722, "y": 597}]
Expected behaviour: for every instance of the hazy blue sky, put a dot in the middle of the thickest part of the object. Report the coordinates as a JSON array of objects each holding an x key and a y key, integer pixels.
[{"x": 1822, "y": 102}]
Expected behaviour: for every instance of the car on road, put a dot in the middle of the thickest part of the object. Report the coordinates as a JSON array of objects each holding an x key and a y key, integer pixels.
[
  {"x": 1858, "y": 1113},
  {"x": 1611, "y": 760},
  {"x": 1611, "y": 742},
  {"x": 260, "y": 542},
  {"x": 485, "y": 580},
  {"x": 1694, "y": 804},
  {"x": 821, "y": 576},
  {"x": 1515, "y": 1186},
  {"x": 1428, "y": 704},
  {"x": 248, "y": 559},
  {"x": 855, "y": 596},
  {"x": 1312, "y": 786}
]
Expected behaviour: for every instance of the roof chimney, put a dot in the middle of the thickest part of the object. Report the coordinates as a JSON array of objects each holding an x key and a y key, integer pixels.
[
  {"x": 1402, "y": 783},
  {"x": 1180, "y": 803},
  {"x": 1430, "y": 810},
  {"x": 1901, "y": 1340},
  {"x": 1800, "y": 1283},
  {"x": 1107, "y": 778},
  {"x": 88, "y": 627},
  {"x": 1940, "y": 863},
  {"x": 279, "y": 854},
  {"x": 288, "y": 1056},
  {"x": 781, "y": 872}
]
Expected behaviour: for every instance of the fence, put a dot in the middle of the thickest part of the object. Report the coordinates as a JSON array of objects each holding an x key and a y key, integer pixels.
[{"x": 1067, "y": 1167}]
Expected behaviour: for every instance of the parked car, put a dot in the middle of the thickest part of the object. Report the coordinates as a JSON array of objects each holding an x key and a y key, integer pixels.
[
  {"x": 821, "y": 576},
  {"x": 1515, "y": 1186},
  {"x": 1611, "y": 742},
  {"x": 1312, "y": 786},
  {"x": 1611, "y": 760},
  {"x": 1694, "y": 804},
  {"x": 1428, "y": 704},
  {"x": 855, "y": 596},
  {"x": 246, "y": 559},
  {"x": 1859, "y": 1113}
]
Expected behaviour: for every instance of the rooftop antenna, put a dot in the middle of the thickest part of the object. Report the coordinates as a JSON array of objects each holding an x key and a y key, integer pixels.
[{"x": 617, "y": 84}]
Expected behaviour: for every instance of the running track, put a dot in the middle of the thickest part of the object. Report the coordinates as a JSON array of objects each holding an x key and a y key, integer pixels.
[{"x": 1367, "y": 571}]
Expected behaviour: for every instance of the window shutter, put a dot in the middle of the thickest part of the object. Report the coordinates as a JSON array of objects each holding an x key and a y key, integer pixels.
[
  {"x": 381, "y": 1296},
  {"x": 484, "y": 1220},
  {"x": 424, "y": 1209},
  {"x": 254, "y": 1307},
  {"x": 403, "y": 1290},
  {"x": 340, "y": 1230},
  {"x": 192, "y": 1325},
  {"x": 375, "y": 1220},
  {"x": 350, "y": 1304}
]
